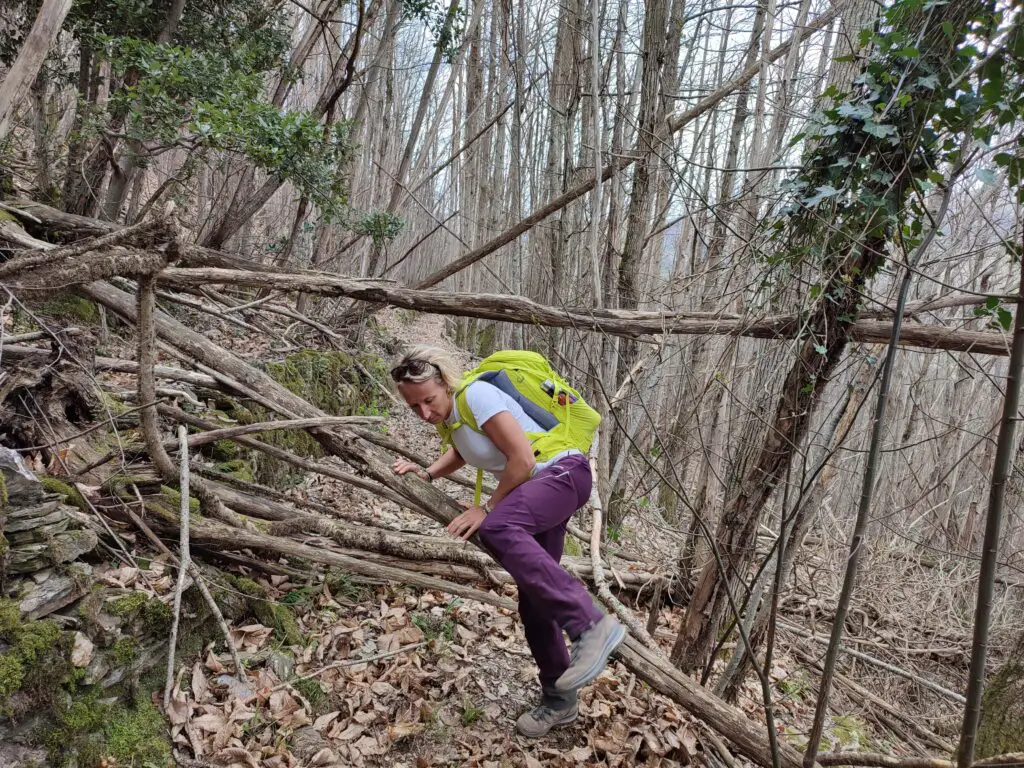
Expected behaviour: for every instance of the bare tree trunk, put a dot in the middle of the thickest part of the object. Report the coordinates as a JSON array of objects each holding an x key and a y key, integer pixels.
[
  {"x": 795, "y": 526},
  {"x": 802, "y": 391},
  {"x": 673, "y": 125},
  {"x": 653, "y": 110},
  {"x": 990, "y": 548},
  {"x": 16, "y": 83},
  {"x": 397, "y": 190},
  {"x": 125, "y": 168}
]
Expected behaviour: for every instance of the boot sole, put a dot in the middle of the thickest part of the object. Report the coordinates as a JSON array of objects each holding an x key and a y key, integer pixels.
[
  {"x": 559, "y": 724},
  {"x": 613, "y": 641}
]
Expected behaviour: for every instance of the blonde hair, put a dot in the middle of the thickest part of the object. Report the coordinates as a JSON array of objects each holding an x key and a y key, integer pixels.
[{"x": 423, "y": 362}]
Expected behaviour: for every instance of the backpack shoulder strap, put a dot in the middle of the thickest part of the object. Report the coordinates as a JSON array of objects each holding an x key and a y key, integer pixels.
[{"x": 465, "y": 419}]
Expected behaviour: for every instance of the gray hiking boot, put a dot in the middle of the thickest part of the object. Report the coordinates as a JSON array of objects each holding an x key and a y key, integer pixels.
[
  {"x": 555, "y": 709},
  {"x": 590, "y": 653}
]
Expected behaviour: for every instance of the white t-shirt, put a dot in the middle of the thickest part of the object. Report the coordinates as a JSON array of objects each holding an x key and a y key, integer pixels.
[{"x": 484, "y": 401}]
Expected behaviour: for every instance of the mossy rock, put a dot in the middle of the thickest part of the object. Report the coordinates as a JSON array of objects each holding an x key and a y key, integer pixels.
[
  {"x": 237, "y": 468},
  {"x": 68, "y": 306},
  {"x": 268, "y": 612},
  {"x": 35, "y": 662},
  {"x": 152, "y": 614},
  {"x": 1001, "y": 729},
  {"x": 86, "y": 730},
  {"x": 137, "y": 735},
  {"x": 173, "y": 497},
  {"x": 63, "y": 488},
  {"x": 334, "y": 383},
  {"x": 225, "y": 450},
  {"x": 76, "y": 736}
]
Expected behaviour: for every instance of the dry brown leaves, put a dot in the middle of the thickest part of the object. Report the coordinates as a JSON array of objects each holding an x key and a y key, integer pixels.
[{"x": 458, "y": 676}]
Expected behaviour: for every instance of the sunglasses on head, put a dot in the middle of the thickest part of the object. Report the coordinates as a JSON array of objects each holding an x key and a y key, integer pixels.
[{"x": 412, "y": 370}]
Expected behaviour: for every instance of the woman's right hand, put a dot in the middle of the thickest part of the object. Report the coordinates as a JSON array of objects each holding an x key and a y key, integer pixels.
[{"x": 402, "y": 466}]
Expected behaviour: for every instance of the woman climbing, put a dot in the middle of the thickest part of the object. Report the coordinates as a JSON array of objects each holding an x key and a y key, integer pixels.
[{"x": 523, "y": 523}]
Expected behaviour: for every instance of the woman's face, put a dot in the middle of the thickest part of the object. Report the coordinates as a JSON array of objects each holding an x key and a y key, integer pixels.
[{"x": 430, "y": 399}]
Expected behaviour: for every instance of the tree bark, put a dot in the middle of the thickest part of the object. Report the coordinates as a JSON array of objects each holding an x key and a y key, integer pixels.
[
  {"x": 653, "y": 109},
  {"x": 633, "y": 324},
  {"x": 16, "y": 83}
]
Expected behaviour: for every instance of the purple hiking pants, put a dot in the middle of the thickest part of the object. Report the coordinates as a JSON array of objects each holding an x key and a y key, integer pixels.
[{"x": 526, "y": 533}]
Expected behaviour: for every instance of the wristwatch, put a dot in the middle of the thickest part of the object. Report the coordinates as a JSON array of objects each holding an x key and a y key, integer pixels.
[{"x": 430, "y": 477}]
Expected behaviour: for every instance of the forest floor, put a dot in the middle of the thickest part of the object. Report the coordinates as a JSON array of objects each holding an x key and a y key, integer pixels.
[{"x": 386, "y": 675}]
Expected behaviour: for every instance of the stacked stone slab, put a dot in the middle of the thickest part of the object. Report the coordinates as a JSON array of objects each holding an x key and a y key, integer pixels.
[{"x": 40, "y": 541}]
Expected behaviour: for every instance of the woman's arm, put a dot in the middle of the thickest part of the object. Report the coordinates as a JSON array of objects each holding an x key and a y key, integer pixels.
[
  {"x": 505, "y": 432},
  {"x": 448, "y": 463}
]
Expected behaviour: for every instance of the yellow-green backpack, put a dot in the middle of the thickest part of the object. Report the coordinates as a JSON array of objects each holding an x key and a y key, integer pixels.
[{"x": 528, "y": 378}]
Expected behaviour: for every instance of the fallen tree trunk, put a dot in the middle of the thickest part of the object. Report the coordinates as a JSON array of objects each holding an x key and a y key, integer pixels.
[
  {"x": 750, "y": 738},
  {"x": 405, "y": 549},
  {"x": 617, "y": 322}
]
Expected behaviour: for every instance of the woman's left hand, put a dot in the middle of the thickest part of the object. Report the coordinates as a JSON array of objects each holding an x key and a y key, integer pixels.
[{"x": 466, "y": 524}]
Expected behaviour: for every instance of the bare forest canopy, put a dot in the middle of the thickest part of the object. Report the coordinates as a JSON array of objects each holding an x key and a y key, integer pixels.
[{"x": 778, "y": 246}]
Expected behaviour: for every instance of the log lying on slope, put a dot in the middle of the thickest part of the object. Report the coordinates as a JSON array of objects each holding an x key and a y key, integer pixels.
[
  {"x": 628, "y": 323},
  {"x": 750, "y": 738}
]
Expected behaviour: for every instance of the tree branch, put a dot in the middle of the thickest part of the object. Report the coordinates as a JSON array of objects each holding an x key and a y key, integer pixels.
[{"x": 617, "y": 322}]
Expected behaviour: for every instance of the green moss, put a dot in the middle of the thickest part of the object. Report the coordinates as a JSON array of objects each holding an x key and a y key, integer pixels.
[
  {"x": 86, "y": 729},
  {"x": 237, "y": 468},
  {"x": 152, "y": 612},
  {"x": 71, "y": 494},
  {"x": 71, "y": 307},
  {"x": 124, "y": 652},
  {"x": 281, "y": 618},
  {"x": 312, "y": 692},
  {"x": 35, "y": 640},
  {"x": 247, "y": 587},
  {"x": 127, "y": 607},
  {"x": 225, "y": 450},
  {"x": 36, "y": 660},
  {"x": 137, "y": 735},
  {"x": 173, "y": 497},
  {"x": 572, "y": 547},
  {"x": 267, "y": 612},
  {"x": 1001, "y": 729},
  {"x": 3, "y": 492},
  {"x": 10, "y": 619},
  {"x": 335, "y": 383},
  {"x": 12, "y": 674},
  {"x": 156, "y": 615},
  {"x": 110, "y": 404},
  {"x": 76, "y": 739}
]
